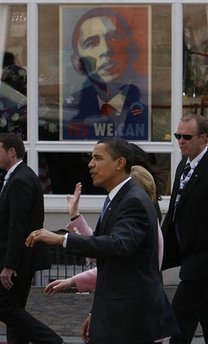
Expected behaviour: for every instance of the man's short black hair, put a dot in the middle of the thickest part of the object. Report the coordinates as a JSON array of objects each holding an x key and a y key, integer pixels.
[
  {"x": 11, "y": 140},
  {"x": 119, "y": 147}
]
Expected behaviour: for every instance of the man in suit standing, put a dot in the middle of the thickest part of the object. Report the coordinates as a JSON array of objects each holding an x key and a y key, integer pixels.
[
  {"x": 129, "y": 303},
  {"x": 185, "y": 229},
  {"x": 21, "y": 210}
]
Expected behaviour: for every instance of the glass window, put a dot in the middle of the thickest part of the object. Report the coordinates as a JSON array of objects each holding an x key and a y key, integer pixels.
[
  {"x": 195, "y": 59},
  {"x": 13, "y": 62},
  {"x": 94, "y": 57},
  {"x": 59, "y": 172},
  {"x": 104, "y": 71}
]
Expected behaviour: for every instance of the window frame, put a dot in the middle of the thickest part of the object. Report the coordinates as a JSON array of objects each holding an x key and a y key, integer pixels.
[{"x": 34, "y": 146}]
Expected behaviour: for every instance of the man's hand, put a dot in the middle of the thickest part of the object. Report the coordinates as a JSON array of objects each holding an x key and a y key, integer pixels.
[
  {"x": 85, "y": 329},
  {"x": 45, "y": 236},
  {"x": 73, "y": 201},
  {"x": 6, "y": 277}
]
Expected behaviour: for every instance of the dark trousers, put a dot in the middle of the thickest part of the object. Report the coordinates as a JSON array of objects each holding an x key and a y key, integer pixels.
[
  {"x": 22, "y": 328},
  {"x": 190, "y": 305},
  {"x": 22, "y": 287}
]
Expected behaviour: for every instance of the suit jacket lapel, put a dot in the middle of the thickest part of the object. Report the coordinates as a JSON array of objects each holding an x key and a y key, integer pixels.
[
  {"x": 11, "y": 176},
  {"x": 102, "y": 225},
  {"x": 201, "y": 168},
  {"x": 176, "y": 184},
  {"x": 189, "y": 186},
  {"x": 21, "y": 165}
]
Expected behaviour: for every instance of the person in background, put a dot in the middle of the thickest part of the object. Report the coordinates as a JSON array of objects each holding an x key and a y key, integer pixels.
[
  {"x": 13, "y": 74},
  {"x": 21, "y": 210},
  {"x": 125, "y": 243},
  {"x": 185, "y": 229}
]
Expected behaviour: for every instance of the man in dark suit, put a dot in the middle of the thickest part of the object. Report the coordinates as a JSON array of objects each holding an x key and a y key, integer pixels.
[
  {"x": 21, "y": 209},
  {"x": 109, "y": 103},
  {"x": 185, "y": 229},
  {"x": 129, "y": 304}
]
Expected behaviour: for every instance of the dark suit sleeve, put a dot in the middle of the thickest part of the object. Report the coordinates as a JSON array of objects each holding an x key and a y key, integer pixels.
[
  {"x": 21, "y": 196},
  {"x": 124, "y": 238}
]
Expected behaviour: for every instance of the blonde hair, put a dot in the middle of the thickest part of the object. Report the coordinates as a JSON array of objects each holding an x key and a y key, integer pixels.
[{"x": 144, "y": 179}]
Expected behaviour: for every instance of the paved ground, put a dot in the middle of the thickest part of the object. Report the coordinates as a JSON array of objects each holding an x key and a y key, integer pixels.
[
  {"x": 67, "y": 340},
  {"x": 77, "y": 340},
  {"x": 65, "y": 312}
]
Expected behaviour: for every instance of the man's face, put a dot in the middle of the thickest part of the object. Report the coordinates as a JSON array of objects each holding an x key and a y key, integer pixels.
[
  {"x": 103, "y": 169},
  {"x": 103, "y": 47},
  {"x": 191, "y": 148}
]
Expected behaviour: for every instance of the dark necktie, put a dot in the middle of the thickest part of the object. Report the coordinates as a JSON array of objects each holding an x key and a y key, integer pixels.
[
  {"x": 6, "y": 179},
  {"x": 107, "y": 110},
  {"x": 107, "y": 201},
  {"x": 186, "y": 170}
]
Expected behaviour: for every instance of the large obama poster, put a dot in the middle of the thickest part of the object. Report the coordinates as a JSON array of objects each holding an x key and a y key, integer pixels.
[{"x": 105, "y": 72}]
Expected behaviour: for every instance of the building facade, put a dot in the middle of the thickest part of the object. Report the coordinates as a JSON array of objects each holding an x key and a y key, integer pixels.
[{"x": 47, "y": 94}]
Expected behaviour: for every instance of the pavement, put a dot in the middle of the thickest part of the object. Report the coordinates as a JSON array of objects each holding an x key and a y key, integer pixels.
[
  {"x": 65, "y": 312},
  {"x": 77, "y": 340}
]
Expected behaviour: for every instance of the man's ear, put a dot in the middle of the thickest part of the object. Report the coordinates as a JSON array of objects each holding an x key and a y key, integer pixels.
[
  {"x": 121, "y": 163},
  {"x": 12, "y": 152},
  {"x": 78, "y": 64}
]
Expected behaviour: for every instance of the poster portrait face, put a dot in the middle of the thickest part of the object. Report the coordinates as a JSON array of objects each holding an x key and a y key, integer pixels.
[
  {"x": 103, "y": 46},
  {"x": 109, "y": 96}
]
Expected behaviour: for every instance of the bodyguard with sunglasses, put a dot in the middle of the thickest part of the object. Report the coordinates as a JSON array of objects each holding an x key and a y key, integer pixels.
[{"x": 185, "y": 229}]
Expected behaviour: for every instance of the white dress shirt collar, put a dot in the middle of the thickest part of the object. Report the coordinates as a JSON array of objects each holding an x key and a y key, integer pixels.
[
  {"x": 197, "y": 159},
  {"x": 115, "y": 190},
  {"x": 12, "y": 169}
]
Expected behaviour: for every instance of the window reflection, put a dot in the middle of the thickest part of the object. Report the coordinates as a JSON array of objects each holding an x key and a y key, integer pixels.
[
  {"x": 13, "y": 100},
  {"x": 195, "y": 59},
  {"x": 49, "y": 72},
  {"x": 13, "y": 85}
]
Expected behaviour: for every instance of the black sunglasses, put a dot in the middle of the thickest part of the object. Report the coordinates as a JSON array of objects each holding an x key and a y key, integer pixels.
[{"x": 186, "y": 137}]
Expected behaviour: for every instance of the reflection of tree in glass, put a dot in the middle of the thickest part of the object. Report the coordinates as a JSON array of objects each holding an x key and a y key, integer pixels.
[
  {"x": 195, "y": 74},
  {"x": 13, "y": 101},
  {"x": 13, "y": 74}
]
